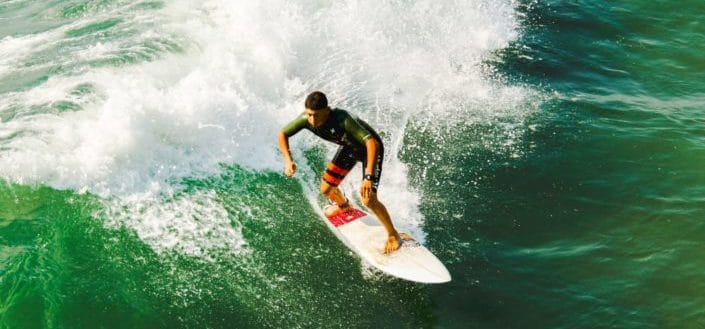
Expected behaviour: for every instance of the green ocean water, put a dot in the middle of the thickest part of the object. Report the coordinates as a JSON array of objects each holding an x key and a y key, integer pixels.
[{"x": 551, "y": 156}]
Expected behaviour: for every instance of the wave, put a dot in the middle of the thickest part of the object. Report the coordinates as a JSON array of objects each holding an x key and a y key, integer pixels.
[{"x": 126, "y": 103}]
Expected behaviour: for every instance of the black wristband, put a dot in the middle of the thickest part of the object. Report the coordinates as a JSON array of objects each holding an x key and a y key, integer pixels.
[{"x": 368, "y": 177}]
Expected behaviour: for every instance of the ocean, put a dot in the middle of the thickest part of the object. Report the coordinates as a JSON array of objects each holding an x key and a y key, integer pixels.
[{"x": 550, "y": 153}]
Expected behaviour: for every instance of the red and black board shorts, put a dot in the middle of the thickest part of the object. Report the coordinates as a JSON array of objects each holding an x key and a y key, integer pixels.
[{"x": 345, "y": 159}]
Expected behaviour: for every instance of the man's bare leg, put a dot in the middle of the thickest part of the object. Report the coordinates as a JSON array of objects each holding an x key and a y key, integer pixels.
[
  {"x": 337, "y": 196},
  {"x": 334, "y": 194},
  {"x": 393, "y": 239}
]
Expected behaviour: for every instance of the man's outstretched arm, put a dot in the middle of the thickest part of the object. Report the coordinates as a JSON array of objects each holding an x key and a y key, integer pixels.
[{"x": 289, "y": 165}]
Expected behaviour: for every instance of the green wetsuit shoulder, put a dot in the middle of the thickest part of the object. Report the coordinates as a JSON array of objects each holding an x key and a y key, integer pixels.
[
  {"x": 295, "y": 125},
  {"x": 341, "y": 128}
]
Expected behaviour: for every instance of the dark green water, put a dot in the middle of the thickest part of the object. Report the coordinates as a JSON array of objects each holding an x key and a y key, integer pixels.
[
  {"x": 601, "y": 225},
  {"x": 575, "y": 201}
]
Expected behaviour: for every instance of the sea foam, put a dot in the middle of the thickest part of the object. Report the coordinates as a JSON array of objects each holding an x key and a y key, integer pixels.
[{"x": 213, "y": 83}]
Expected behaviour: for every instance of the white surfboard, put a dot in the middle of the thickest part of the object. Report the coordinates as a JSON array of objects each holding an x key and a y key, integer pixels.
[{"x": 364, "y": 234}]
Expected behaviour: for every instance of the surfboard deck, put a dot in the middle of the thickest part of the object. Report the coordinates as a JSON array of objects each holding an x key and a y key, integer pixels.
[{"x": 364, "y": 234}]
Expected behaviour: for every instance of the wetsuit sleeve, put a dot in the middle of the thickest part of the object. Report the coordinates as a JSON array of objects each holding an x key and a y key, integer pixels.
[
  {"x": 356, "y": 130},
  {"x": 295, "y": 125}
]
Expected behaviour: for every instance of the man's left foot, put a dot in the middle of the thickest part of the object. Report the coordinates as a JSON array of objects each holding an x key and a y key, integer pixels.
[
  {"x": 335, "y": 209},
  {"x": 393, "y": 243}
]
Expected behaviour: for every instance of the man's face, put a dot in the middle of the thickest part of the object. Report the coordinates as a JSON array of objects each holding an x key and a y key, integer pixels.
[{"x": 317, "y": 118}]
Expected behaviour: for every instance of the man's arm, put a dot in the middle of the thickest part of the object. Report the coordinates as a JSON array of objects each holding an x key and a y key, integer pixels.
[
  {"x": 289, "y": 130},
  {"x": 365, "y": 137},
  {"x": 372, "y": 146},
  {"x": 289, "y": 165}
]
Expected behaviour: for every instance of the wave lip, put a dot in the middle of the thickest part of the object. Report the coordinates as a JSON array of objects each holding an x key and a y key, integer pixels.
[{"x": 225, "y": 77}]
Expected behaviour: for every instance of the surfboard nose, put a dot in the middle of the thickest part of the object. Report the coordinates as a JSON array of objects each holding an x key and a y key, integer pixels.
[{"x": 429, "y": 270}]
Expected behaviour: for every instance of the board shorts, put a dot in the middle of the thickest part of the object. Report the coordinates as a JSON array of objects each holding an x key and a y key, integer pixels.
[{"x": 345, "y": 159}]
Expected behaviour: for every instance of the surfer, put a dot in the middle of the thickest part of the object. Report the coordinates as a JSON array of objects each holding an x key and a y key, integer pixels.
[{"x": 357, "y": 142}]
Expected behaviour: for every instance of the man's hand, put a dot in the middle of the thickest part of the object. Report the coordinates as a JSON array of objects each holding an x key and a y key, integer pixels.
[
  {"x": 366, "y": 188},
  {"x": 290, "y": 168}
]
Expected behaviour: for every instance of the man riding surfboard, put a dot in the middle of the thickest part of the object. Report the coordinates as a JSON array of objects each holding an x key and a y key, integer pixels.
[{"x": 357, "y": 142}]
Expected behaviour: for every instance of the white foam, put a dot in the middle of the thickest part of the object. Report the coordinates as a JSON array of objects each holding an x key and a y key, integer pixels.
[
  {"x": 391, "y": 62},
  {"x": 243, "y": 72},
  {"x": 194, "y": 225}
]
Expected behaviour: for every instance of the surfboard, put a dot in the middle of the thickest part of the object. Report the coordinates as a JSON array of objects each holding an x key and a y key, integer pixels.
[{"x": 364, "y": 234}]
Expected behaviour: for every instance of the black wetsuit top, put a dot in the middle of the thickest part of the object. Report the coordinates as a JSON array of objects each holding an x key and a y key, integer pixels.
[
  {"x": 341, "y": 128},
  {"x": 351, "y": 134}
]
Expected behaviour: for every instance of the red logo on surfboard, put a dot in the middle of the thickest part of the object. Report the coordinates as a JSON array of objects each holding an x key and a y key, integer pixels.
[{"x": 346, "y": 217}]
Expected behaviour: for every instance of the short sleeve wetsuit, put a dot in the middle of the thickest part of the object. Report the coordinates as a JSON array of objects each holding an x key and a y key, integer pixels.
[{"x": 351, "y": 134}]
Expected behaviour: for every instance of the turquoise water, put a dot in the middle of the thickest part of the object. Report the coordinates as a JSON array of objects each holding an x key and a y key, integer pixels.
[{"x": 549, "y": 153}]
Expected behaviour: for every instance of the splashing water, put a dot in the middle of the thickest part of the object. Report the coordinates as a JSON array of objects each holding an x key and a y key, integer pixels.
[{"x": 126, "y": 102}]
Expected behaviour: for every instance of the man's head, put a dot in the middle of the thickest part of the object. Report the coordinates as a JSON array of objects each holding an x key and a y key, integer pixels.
[{"x": 317, "y": 109}]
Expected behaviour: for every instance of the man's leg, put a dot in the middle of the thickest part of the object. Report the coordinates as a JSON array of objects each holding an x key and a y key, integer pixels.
[
  {"x": 333, "y": 193},
  {"x": 373, "y": 203},
  {"x": 382, "y": 214},
  {"x": 335, "y": 172}
]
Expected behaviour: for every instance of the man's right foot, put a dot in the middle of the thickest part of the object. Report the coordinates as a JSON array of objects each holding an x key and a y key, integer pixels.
[{"x": 393, "y": 242}]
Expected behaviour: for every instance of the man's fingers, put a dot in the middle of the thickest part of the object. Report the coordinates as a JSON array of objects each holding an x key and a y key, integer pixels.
[
  {"x": 290, "y": 170},
  {"x": 366, "y": 192}
]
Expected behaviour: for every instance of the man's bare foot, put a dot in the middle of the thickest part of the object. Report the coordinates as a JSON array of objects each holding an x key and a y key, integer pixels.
[
  {"x": 393, "y": 243},
  {"x": 335, "y": 209},
  {"x": 406, "y": 237}
]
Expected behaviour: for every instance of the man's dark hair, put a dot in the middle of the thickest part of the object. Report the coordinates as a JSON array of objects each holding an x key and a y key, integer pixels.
[{"x": 316, "y": 101}]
